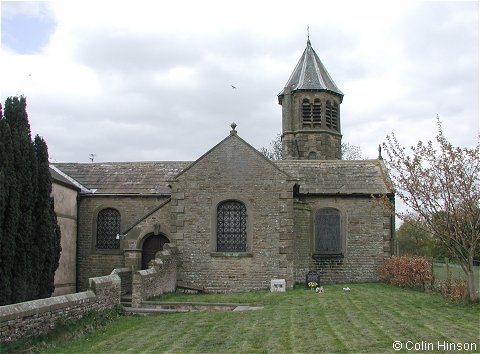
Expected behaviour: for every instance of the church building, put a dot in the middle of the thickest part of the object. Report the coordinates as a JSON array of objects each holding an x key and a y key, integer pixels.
[{"x": 237, "y": 218}]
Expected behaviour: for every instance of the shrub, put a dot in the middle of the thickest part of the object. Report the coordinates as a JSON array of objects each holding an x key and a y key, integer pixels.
[
  {"x": 456, "y": 290},
  {"x": 407, "y": 271}
]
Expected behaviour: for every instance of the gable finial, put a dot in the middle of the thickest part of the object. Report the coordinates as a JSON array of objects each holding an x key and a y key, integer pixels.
[
  {"x": 233, "y": 131},
  {"x": 308, "y": 34},
  {"x": 380, "y": 152}
]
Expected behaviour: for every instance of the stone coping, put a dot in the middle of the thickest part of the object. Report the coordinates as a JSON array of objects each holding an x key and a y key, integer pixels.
[{"x": 34, "y": 307}]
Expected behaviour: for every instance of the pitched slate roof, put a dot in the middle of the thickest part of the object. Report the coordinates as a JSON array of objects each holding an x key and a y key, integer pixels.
[
  {"x": 58, "y": 178},
  {"x": 310, "y": 74},
  {"x": 338, "y": 176},
  {"x": 344, "y": 177},
  {"x": 136, "y": 178}
]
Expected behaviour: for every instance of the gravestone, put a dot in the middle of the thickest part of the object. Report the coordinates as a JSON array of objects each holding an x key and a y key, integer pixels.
[
  {"x": 312, "y": 276},
  {"x": 278, "y": 285}
]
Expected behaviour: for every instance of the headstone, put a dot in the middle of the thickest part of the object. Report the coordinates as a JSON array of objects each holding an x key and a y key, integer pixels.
[
  {"x": 312, "y": 279},
  {"x": 278, "y": 285}
]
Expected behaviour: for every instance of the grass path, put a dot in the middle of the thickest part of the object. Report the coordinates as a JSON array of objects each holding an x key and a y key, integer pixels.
[{"x": 368, "y": 319}]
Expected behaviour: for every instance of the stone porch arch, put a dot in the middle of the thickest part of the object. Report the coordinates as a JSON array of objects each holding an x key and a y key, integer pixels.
[{"x": 150, "y": 245}]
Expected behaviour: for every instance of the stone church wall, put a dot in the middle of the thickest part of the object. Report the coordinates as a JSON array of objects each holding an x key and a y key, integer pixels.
[
  {"x": 303, "y": 239},
  {"x": 65, "y": 203},
  {"x": 367, "y": 240},
  {"x": 233, "y": 170},
  {"x": 92, "y": 262}
]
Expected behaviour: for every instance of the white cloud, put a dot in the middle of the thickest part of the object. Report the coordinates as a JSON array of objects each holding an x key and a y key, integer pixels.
[{"x": 152, "y": 80}]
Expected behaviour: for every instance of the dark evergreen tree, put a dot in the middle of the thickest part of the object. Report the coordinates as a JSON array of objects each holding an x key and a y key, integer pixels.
[
  {"x": 47, "y": 240},
  {"x": 29, "y": 233},
  {"x": 10, "y": 214},
  {"x": 24, "y": 166}
]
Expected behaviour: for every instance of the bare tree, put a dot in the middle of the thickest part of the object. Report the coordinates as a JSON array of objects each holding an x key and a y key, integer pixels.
[
  {"x": 351, "y": 152},
  {"x": 442, "y": 187},
  {"x": 274, "y": 152}
]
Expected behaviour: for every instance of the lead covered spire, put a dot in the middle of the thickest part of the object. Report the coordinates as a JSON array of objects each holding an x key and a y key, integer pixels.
[{"x": 310, "y": 74}]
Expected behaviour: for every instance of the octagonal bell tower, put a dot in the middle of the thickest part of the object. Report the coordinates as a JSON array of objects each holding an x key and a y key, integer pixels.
[{"x": 311, "y": 112}]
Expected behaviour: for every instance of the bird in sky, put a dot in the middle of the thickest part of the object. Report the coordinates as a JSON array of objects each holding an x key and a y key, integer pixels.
[{"x": 233, "y": 87}]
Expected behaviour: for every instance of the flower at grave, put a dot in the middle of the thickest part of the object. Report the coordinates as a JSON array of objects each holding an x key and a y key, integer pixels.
[{"x": 312, "y": 284}]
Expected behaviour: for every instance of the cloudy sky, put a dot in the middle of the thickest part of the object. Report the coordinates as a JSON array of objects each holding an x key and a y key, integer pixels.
[{"x": 144, "y": 80}]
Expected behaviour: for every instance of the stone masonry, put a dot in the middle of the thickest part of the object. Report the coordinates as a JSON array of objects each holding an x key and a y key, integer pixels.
[
  {"x": 239, "y": 173},
  {"x": 40, "y": 316}
]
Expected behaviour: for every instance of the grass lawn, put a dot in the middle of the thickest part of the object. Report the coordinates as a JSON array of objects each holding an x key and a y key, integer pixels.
[{"x": 367, "y": 319}]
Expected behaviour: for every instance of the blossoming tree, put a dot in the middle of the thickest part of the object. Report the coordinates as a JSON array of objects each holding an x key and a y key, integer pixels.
[{"x": 442, "y": 186}]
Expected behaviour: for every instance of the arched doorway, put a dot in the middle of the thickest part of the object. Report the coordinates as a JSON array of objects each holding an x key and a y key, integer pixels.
[{"x": 151, "y": 245}]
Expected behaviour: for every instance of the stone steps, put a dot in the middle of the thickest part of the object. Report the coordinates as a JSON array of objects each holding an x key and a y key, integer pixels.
[
  {"x": 146, "y": 311},
  {"x": 154, "y": 307}
]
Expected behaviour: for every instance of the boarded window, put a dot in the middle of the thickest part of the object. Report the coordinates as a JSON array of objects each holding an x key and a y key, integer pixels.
[
  {"x": 331, "y": 115},
  {"x": 108, "y": 227},
  {"x": 317, "y": 113},
  {"x": 306, "y": 112},
  {"x": 328, "y": 114},
  {"x": 335, "y": 116},
  {"x": 311, "y": 113},
  {"x": 231, "y": 227},
  {"x": 328, "y": 236}
]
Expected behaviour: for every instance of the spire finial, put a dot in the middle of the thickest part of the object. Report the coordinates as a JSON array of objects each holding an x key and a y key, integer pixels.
[
  {"x": 233, "y": 131},
  {"x": 380, "y": 152},
  {"x": 308, "y": 34}
]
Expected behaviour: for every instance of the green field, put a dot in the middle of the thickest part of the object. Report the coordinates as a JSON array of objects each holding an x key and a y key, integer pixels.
[
  {"x": 367, "y": 319},
  {"x": 440, "y": 272}
]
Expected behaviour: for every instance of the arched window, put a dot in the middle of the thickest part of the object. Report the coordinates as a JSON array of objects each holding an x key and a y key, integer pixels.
[
  {"x": 231, "y": 226},
  {"x": 108, "y": 227},
  {"x": 328, "y": 232},
  {"x": 312, "y": 155}
]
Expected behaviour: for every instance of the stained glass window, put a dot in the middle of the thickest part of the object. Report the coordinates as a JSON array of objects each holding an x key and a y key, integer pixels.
[
  {"x": 108, "y": 227},
  {"x": 232, "y": 227}
]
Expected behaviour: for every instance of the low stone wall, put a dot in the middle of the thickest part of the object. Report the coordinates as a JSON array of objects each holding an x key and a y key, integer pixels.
[
  {"x": 160, "y": 278},
  {"x": 125, "y": 275},
  {"x": 36, "y": 317}
]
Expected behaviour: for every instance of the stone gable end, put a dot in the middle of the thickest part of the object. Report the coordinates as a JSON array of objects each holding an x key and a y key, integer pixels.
[{"x": 233, "y": 170}]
